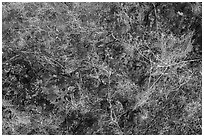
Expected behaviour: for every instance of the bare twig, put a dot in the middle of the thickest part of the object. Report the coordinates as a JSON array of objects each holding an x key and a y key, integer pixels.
[
  {"x": 155, "y": 13},
  {"x": 158, "y": 79}
]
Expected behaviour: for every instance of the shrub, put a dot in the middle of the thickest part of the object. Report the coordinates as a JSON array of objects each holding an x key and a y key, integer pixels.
[{"x": 101, "y": 68}]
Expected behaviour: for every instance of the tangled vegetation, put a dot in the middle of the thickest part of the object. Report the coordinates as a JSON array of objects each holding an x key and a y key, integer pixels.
[{"x": 101, "y": 68}]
